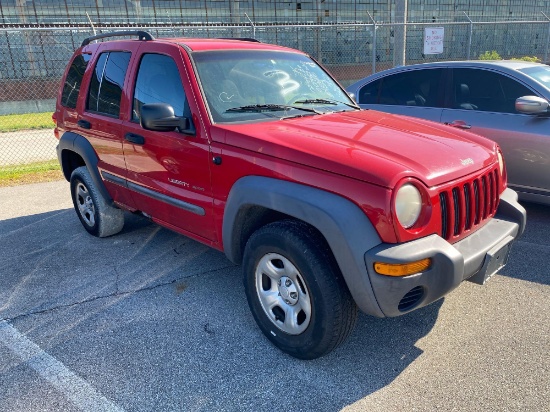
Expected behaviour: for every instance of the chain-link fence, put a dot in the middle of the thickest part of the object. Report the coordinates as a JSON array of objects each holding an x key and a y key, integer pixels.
[{"x": 32, "y": 60}]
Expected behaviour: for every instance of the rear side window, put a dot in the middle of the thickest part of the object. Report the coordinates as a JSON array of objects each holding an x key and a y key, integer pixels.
[
  {"x": 369, "y": 93},
  {"x": 71, "y": 88},
  {"x": 107, "y": 82},
  {"x": 412, "y": 88}
]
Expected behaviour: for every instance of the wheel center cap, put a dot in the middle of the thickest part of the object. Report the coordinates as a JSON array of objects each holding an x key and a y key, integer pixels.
[{"x": 288, "y": 291}]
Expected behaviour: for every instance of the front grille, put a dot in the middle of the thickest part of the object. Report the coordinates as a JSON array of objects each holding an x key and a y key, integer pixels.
[{"x": 469, "y": 204}]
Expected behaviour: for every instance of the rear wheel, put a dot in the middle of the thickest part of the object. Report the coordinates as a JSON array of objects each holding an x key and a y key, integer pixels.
[
  {"x": 295, "y": 290},
  {"x": 96, "y": 215}
]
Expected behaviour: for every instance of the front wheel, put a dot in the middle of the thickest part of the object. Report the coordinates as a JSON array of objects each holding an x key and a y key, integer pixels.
[{"x": 295, "y": 290}]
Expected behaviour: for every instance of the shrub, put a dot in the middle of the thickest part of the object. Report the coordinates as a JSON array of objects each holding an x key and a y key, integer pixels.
[
  {"x": 532, "y": 59},
  {"x": 490, "y": 55}
]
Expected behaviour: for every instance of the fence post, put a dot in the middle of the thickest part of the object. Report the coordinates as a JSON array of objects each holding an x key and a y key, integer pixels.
[
  {"x": 373, "y": 52},
  {"x": 400, "y": 33},
  {"x": 547, "y": 39},
  {"x": 469, "y": 37},
  {"x": 253, "y": 27}
]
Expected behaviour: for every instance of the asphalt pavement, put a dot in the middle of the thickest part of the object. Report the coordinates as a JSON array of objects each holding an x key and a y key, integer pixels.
[{"x": 149, "y": 320}]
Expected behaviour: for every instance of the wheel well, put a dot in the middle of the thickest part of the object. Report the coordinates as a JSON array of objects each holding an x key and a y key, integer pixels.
[
  {"x": 250, "y": 218},
  {"x": 69, "y": 161}
]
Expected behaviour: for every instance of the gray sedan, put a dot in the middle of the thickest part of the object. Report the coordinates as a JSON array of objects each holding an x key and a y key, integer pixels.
[{"x": 506, "y": 101}]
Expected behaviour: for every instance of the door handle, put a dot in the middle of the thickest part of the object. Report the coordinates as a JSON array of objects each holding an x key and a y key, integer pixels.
[
  {"x": 84, "y": 124},
  {"x": 134, "y": 138},
  {"x": 459, "y": 124}
]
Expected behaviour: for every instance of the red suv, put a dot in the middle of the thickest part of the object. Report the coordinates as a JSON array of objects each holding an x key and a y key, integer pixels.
[{"x": 255, "y": 150}]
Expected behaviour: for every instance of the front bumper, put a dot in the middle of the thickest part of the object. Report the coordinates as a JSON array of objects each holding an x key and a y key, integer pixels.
[{"x": 471, "y": 258}]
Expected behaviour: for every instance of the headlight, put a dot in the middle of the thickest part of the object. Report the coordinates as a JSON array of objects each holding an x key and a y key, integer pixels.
[
  {"x": 408, "y": 205},
  {"x": 500, "y": 163}
]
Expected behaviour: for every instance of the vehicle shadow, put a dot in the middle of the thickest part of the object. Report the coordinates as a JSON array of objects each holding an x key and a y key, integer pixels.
[
  {"x": 151, "y": 297},
  {"x": 529, "y": 256},
  {"x": 48, "y": 260},
  {"x": 154, "y": 308}
]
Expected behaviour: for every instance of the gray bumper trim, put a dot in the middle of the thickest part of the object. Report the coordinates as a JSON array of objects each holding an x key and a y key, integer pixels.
[{"x": 451, "y": 263}]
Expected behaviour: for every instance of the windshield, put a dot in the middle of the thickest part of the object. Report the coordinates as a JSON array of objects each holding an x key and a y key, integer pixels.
[
  {"x": 540, "y": 73},
  {"x": 262, "y": 85}
]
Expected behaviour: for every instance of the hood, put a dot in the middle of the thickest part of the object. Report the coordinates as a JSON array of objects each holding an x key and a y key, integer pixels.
[{"x": 368, "y": 145}]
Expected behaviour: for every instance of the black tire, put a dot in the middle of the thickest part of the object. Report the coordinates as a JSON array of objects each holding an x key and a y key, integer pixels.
[
  {"x": 96, "y": 215},
  {"x": 307, "y": 275}
]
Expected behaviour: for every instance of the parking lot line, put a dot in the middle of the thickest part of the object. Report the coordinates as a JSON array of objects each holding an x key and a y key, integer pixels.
[{"x": 73, "y": 387}]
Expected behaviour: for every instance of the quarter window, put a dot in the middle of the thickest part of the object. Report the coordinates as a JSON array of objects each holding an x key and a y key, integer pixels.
[
  {"x": 412, "y": 88},
  {"x": 107, "y": 83},
  {"x": 159, "y": 81}
]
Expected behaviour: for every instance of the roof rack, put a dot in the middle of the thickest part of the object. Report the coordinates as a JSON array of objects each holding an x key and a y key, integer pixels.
[
  {"x": 240, "y": 38},
  {"x": 143, "y": 35}
]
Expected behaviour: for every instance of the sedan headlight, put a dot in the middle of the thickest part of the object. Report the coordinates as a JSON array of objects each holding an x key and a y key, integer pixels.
[{"x": 408, "y": 205}]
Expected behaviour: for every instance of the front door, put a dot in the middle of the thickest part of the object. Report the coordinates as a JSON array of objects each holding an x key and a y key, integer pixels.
[{"x": 168, "y": 172}]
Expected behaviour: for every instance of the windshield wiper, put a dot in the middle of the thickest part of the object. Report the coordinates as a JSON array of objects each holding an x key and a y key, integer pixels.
[
  {"x": 325, "y": 101},
  {"x": 269, "y": 108}
]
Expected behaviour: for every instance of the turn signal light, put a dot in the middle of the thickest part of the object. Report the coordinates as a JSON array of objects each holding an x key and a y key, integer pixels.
[{"x": 402, "y": 269}]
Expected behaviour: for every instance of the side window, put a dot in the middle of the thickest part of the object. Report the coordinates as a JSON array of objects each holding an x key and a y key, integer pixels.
[
  {"x": 486, "y": 91},
  {"x": 71, "y": 88},
  {"x": 369, "y": 93},
  {"x": 512, "y": 89},
  {"x": 158, "y": 81},
  {"x": 107, "y": 83},
  {"x": 412, "y": 88},
  {"x": 95, "y": 83}
]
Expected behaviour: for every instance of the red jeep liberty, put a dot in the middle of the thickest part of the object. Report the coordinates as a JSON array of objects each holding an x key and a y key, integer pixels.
[{"x": 255, "y": 150}]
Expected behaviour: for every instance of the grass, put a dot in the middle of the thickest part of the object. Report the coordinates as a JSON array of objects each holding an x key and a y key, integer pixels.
[
  {"x": 15, "y": 122},
  {"x": 30, "y": 173}
]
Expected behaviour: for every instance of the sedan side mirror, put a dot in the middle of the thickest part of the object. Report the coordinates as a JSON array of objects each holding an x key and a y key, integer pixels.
[
  {"x": 531, "y": 105},
  {"x": 160, "y": 117}
]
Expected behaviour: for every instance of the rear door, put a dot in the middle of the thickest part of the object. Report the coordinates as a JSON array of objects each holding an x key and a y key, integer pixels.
[
  {"x": 417, "y": 93},
  {"x": 483, "y": 101},
  {"x": 99, "y": 120},
  {"x": 168, "y": 172}
]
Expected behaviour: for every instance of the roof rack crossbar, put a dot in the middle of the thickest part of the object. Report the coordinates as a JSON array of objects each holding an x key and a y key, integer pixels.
[{"x": 143, "y": 35}]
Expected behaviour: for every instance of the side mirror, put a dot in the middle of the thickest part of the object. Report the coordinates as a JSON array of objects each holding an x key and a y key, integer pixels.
[
  {"x": 531, "y": 105},
  {"x": 160, "y": 117}
]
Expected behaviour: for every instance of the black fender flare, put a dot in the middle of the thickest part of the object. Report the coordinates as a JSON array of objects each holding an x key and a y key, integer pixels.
[
  {"x": 346, "y": 228},
  {"x": 80, "y": 145}
]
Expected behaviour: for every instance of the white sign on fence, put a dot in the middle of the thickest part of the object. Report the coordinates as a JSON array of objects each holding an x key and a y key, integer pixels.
[{"x": 433, "y": 40}]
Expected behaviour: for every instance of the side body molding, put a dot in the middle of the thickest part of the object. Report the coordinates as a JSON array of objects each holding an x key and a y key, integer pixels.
[
  {"x": 346, "y": 228},
  {"x": 80, "y": 145}
]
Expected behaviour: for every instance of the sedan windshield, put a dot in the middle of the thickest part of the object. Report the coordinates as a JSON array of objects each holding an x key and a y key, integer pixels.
[
  {"x": 540, "y": 73},
  {"x": 262, "y": 85}
]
